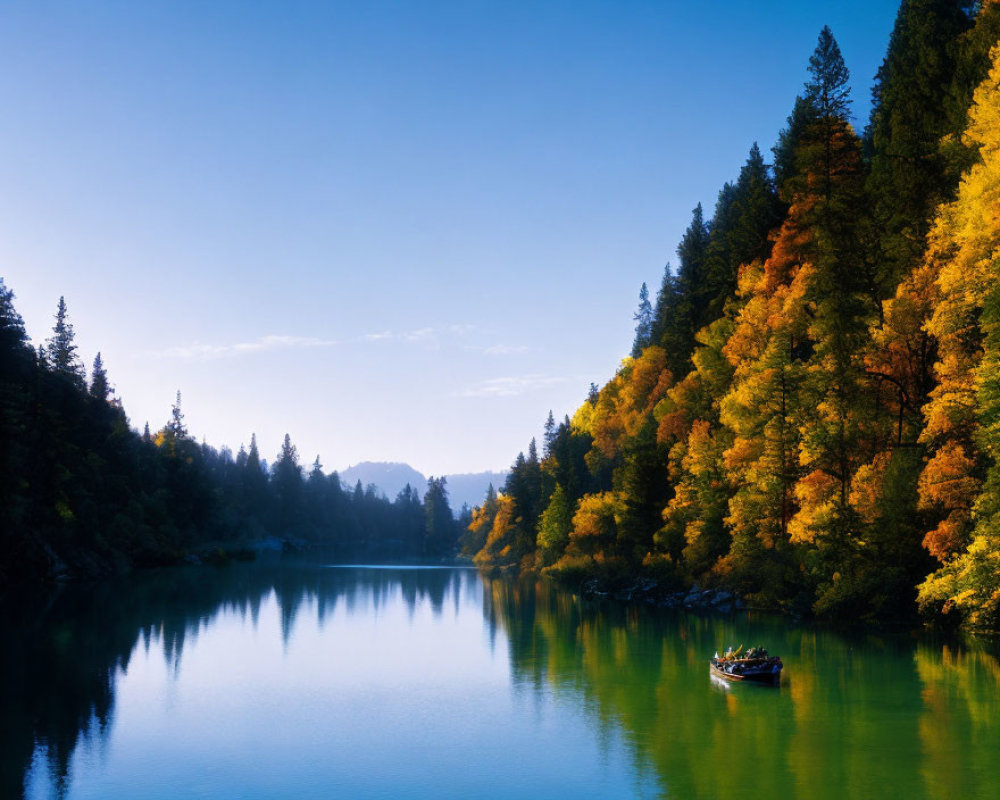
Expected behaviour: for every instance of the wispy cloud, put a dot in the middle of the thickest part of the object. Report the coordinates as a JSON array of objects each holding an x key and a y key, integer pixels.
[
  {"x": 264, "y": 344},
  {"x": 429, "y": 336},
  {"x": 512, "y": 386},
  {"x": 500, "y": 349}
]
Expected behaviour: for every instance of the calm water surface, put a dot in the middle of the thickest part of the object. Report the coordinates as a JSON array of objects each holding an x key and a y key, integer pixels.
[{"x": 311, "y": 681}]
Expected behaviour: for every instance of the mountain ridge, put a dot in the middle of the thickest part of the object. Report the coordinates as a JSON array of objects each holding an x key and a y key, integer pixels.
[{"x": 464, "y": 488}]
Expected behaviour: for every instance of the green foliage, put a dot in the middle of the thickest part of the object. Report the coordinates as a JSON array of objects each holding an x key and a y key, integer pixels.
[
  {"x": 683, "y": 306},
  {"x": 745, "y": 214},
  {"x": 828, "y": 90},
  {"x": 909, "y": 117},
  {"x": 554, "y": 527}
]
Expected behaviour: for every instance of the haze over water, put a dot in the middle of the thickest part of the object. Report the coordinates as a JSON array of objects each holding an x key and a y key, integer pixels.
[{"x": 305, "y": 680}]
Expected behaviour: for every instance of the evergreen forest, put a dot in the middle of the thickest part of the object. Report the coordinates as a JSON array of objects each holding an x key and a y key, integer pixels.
[
  {"x": 82, "y": 494},
  {"x": 810, "y": 414}
]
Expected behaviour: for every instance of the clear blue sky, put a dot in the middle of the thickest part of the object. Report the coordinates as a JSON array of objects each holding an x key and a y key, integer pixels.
[{"x": 397, "y": 231}]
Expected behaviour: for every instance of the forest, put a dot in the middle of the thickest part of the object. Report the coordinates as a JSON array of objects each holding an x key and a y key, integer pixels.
[
  {"x": 810, "y": 414},
  {"x": 83, "y": 494}
]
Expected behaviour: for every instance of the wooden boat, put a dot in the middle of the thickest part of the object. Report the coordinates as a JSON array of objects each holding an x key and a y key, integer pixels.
[{"x": 755, "y": 668}]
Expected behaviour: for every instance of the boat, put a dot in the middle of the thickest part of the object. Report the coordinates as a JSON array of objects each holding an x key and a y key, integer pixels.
[{"x": 754, "y": 666}]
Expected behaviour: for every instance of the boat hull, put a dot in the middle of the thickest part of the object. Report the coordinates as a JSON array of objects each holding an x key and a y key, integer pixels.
[{"x": 768, "y": 674}]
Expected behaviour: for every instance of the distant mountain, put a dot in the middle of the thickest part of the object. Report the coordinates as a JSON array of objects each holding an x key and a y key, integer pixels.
[
  {"x": 470, "y": 488},
  {"x": 391, "y": 477}
]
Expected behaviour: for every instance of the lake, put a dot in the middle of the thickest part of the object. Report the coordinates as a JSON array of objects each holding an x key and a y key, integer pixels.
[{"x": 306, "y": 680}]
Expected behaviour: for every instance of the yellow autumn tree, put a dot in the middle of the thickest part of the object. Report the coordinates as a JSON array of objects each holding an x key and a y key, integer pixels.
[{"x": 963, "y": 416}]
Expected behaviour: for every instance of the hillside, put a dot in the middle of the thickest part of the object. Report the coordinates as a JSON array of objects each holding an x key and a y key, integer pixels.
[{"x": 810, "y": 413}]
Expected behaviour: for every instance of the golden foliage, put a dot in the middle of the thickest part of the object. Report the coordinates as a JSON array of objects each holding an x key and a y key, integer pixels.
[
  {"x": 817, "y": 494},
  {"x": 866, "y": 488},
  {"x": 627, "y": 401},
  {"x": 948, "y": 479}
]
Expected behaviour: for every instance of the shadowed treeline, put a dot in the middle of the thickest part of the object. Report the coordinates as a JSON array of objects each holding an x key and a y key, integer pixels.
[
  {"x": 855, "y": 713},
  {"x": 83, "y": 494},
  {"x": 62, "y": 656}
]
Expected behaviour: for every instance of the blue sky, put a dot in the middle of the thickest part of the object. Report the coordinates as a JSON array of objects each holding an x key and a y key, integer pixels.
[{"x": 396, "y": 231}]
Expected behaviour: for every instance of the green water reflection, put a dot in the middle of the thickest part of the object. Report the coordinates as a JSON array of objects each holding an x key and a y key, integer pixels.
[
  {"x": 297, "y": 680},
  {"x": 861, "y": 716}
]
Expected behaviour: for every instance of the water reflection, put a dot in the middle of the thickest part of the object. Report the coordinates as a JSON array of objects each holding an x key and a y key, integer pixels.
[
  {"x": 63, "y": 654},
  {"x": 862, "y": 715}
]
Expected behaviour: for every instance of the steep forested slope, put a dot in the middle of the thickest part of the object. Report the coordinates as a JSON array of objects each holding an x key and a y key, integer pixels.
[{"x": 809, "y": 414}]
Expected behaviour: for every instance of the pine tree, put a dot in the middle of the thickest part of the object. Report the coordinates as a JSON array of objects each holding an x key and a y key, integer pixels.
[
  {"x": 643, "y": 318},
  {"x": 836, "y": 283},
  {"x": 440, "y": 533},
  {"x": 909, "y": 117},
  {"x": 316, "y": 475},
  {"x": 61, "y": 350},
  {"x": 803, "y": 114},
  {"x": 13, "y": 338},
  {"x": 549, "y": 433},
  {"x": 687, "y": 311},
  {"x": 745, "y": 214},
  {"x": 666, "y": 300},
  {"x": 253, "y": 457},
  {"x": 99, "y": 388},
  {"x": 176, "y": 428},
  {"x": 828, "y": 91},
  {"x": 287, "y": 480}
]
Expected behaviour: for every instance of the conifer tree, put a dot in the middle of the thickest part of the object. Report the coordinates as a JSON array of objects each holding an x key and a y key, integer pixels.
[
  {"x": 99, "y": 388},
  {"x": 803, "y": 114},
  {"x": 908, "y": 119},
  {"x": 176, "y": 428},
  {"x": 666, "y": 300},
  {"x": 828, "y": 91},
  {"x": 687, "y": 311},
  {"x": 13, "y": 338},
  {"x": 550, "y": 433},
  {"x": 439, "y": 533},
  {"x": 287, "y": 480},
  {"x": 745, "y": 214},
  {"x": 829, "y": 188},
  {"x": 253, "y": 457},
  {"x": 316, "y": 475},
  {"x": 643, "y": 322},
  {"x": 61, "y": 349}
]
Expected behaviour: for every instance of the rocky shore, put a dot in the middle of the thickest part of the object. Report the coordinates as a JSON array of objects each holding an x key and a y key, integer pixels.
[{"x": 651, "y": 593}]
